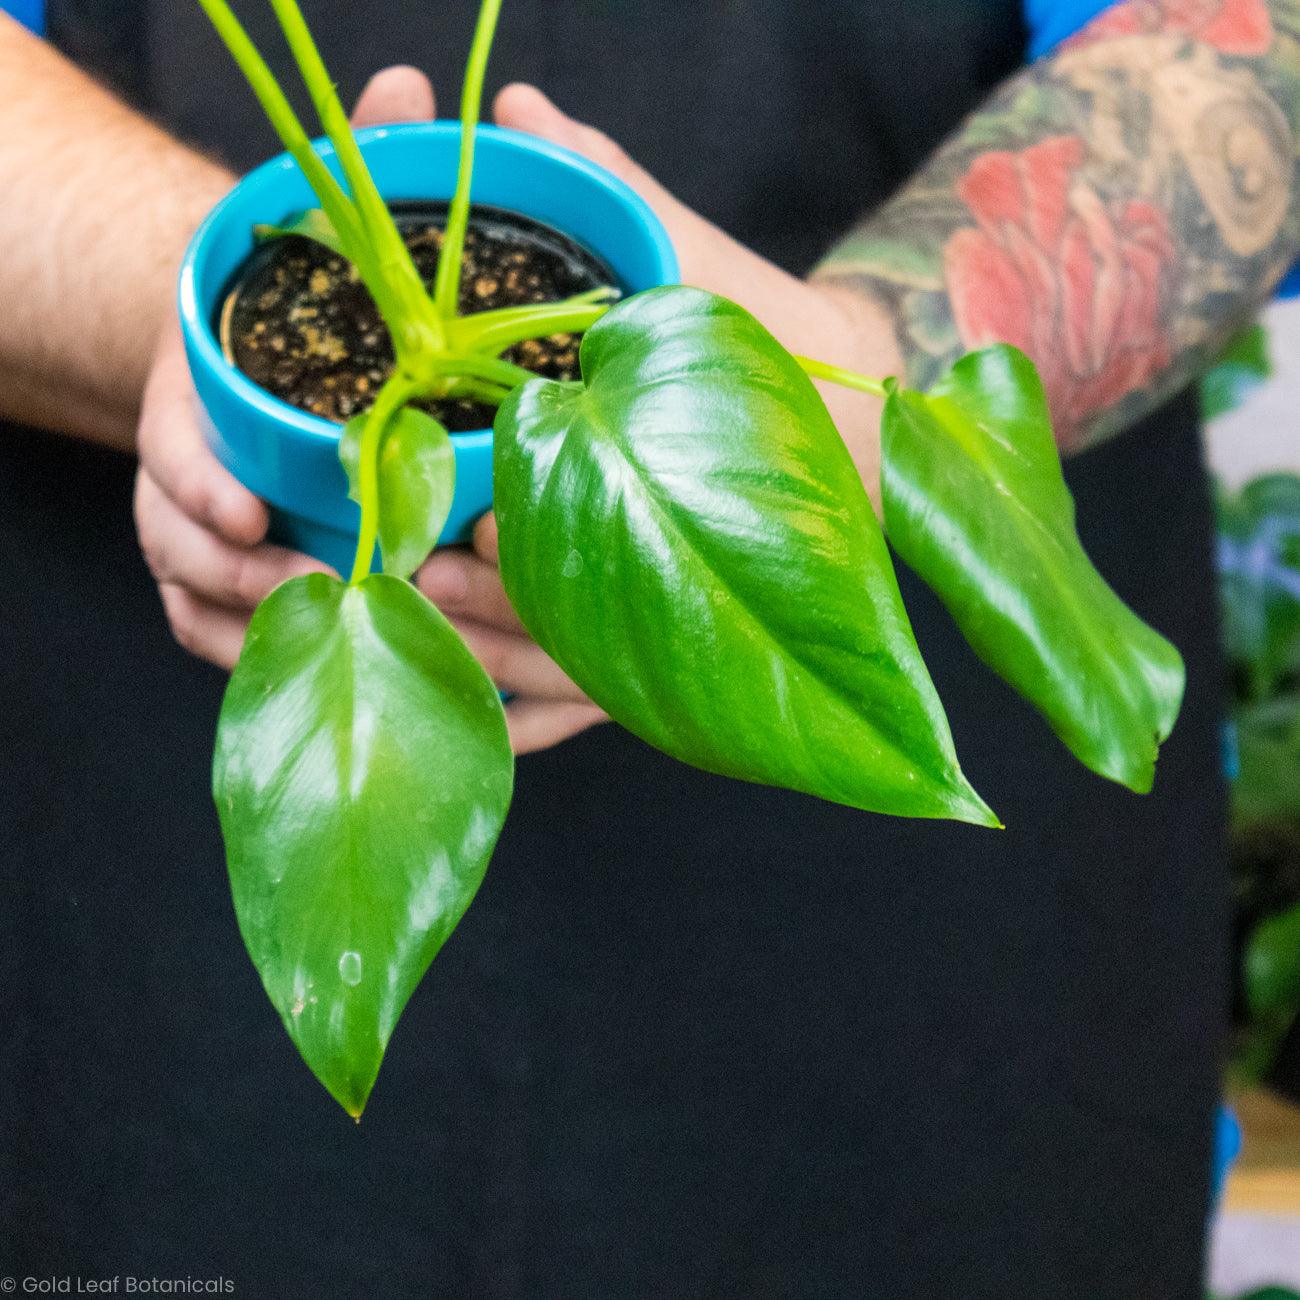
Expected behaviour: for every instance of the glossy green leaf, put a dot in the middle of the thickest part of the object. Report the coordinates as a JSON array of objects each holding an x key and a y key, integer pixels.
[
  {"x": 685, "y": 533},
  {"x": 362, "y": 775},
  {"x": 976, "y": 503},
  {"x": 312, "y": 224},
  {"x": 417, "y": 480}
]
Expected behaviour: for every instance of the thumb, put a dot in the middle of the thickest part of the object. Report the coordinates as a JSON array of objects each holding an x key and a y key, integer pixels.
[
  {"x": 399, "y": 94},
  {"x": 524, "y": 108}
]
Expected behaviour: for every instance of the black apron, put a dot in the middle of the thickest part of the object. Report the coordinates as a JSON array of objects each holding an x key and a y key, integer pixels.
[{"x": 694, "y": 1038}]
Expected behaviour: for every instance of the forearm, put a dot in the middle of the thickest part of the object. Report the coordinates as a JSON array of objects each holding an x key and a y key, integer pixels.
[
  {"x": 98, "y": 205},
  {"x": 1115, "y": 210}
]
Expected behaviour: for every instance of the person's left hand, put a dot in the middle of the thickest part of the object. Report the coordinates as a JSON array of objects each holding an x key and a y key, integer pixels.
[{"x": 465, "y": 583}]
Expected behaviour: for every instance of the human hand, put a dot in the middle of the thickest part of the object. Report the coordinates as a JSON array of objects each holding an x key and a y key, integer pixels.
[{"x": 203, "y": 533}]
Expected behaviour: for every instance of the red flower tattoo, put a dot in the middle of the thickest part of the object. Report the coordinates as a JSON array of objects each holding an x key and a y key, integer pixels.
[
  {"x": 1052, "y": 269},
  {"x": 1233, "y": 26}
]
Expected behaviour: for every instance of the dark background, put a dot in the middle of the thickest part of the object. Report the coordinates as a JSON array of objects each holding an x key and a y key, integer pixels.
[{"x": 694, "y": 1038}]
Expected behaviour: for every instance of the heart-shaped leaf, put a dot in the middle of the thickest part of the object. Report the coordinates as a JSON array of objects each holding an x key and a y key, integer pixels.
[
  {"x": 417, "y": 480},
  {"x": 362, "y": 775},
  {"x": 976, "y": 503},
  {"x": 686, "y": 534},
  {"x": 312, "y": 224}
]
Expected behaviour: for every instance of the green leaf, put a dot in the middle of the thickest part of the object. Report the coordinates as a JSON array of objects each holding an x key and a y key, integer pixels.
[
  {"x": 1272, "y": 974},
  {"x": 1259, "y": 582},
  {"x": 1267, "y": 786},
  {"x": 417, "y": 480},
  {"x": 312, "y": 224},
  {"x": 976, "y": 503},
  {"x": 686, "y": 535},
  {"x": 362, "y": 774},
  {"x": 1243, "y": 365}
]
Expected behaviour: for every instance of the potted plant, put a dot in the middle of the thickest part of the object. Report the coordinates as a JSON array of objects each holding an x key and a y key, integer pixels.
[{"x": 681, "y": 529}]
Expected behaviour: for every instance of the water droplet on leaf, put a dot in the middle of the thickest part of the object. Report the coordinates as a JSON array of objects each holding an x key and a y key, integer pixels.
[
  {"x": 350, "y": 969},
  {"x": 572, "y": 565}
]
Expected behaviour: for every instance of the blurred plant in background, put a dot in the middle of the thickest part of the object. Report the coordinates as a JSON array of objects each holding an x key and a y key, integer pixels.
[{"x": 1259, "y": 563}]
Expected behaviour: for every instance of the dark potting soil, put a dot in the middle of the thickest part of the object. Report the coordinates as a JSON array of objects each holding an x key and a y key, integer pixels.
[{"x": 299, "y": 322}]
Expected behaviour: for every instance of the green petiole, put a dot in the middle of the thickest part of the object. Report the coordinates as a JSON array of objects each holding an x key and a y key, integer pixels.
[
  {"x": 845, "y": 378},
  {"x": 446, "y": 287},
  {"x": 504, "y": 374},
  {"x": 400, "y": 298},
  {"x": 395, "y": 264},
  {"x": 394, "y": 395},
  {"x": 492, "y": 332},
  {"x": 282, "y": 117}
]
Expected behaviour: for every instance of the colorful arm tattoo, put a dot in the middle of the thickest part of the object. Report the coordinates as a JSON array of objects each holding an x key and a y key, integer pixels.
[{"x": 1116, "y": 210}]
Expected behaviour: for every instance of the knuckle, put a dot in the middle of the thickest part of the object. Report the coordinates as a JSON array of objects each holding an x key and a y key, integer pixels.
[
  {"x": 601, "y": 147},
  {"x": 194, "y": 493},
  {"x": 155, "y": 558},
  {"x": 241, "y": 580},
  {"x": 493, "y": 656},
  {"x": 182, "y": 618},
  {"x": 151, "y": 542}
]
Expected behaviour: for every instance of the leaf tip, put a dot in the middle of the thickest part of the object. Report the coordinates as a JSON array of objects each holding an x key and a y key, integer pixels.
[
  {"x": 968, "y": 807},
  {"x": 352, "y": 1096}
]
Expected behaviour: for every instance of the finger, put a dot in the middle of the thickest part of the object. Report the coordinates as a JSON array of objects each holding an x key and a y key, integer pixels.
[
  {"x": 487, "y": 539},
  {"x": 516, "y": 664},
  {"x": 185, "y": 554},
  {"x": 209, "y": 631},
  {"x": 539, "y": 724},
  {"x": 400, "y": 94},
  {"x": 462, "y": 584},
  {"x": 172, "y": 449}
]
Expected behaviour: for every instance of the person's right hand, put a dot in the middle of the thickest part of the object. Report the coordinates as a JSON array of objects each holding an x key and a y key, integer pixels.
[{"x": 204, "y": 534}]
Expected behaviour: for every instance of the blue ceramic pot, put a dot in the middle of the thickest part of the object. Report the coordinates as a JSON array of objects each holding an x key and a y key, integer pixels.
[{"x": 290, "y": 458}]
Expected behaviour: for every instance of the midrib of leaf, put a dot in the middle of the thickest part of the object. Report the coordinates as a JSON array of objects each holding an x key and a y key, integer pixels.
[
  {"x": 1052, "y": 555},
  {"x": 668, "y": 519}
]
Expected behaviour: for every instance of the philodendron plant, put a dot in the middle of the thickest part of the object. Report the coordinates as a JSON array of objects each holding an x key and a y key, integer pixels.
[{"x": 684, "y": 532}]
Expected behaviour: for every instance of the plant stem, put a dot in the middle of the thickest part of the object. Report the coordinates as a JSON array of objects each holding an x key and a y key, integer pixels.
[
  {"x": 396, "y": 266},
  {"x": 478, "y": 390},
  {"x": 446, "y": 289},
  {"x": 285, "y": 121},
  {"x": 845, "y": 378},
  {"x": 493, "y": 332},
  {"x": 392, "y": 397},
  {"x": 503, "y": 374}
]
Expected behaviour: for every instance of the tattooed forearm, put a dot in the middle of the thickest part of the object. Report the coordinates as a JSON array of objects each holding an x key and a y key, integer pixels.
[{"x": 1115, "y": 211}]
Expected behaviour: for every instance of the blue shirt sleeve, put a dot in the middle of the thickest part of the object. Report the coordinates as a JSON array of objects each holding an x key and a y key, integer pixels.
[
  {"x": 1053, "y": 21},
  {"x": 31, "y": 13}
]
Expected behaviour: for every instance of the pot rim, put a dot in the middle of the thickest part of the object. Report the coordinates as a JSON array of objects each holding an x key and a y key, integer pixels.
[{"x": 196, "y": 315}]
